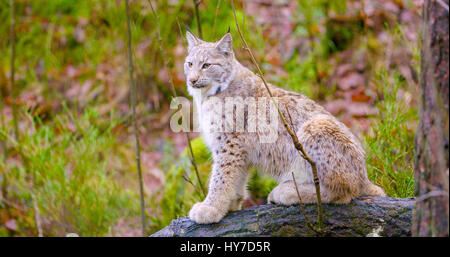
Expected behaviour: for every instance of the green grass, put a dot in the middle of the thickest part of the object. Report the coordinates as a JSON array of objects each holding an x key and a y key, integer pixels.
[
  {"x": 65, "y": 173},
  {"x": 181, "y": 189},
  {"x": 390, "y": 142}
]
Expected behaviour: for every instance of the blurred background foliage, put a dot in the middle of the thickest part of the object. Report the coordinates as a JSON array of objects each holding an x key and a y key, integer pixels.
[{"x": 72, "y": 170}]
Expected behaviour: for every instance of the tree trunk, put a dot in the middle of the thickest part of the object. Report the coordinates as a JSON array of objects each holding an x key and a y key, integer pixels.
[
  {"x": 367, "y": 216},
  {"x": 431, "y": 163}
]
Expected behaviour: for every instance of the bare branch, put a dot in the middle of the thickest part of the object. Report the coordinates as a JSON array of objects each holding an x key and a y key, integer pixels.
[
  {"x": 302, "y": 206},
  {"x": 295, "y": 140},
  {"x": 193, "y": 185},
  {"x": 14, "y": 92},
  {"x": 197, "y": 16},
  {"x": 163, "y": 54},
  {"x": 215, "y": 18},
  {"x": 443, "y": 4},
  {"x": 37, "y": 216},
  {"x": 435, "y": 193},
  {"x": 133, "y": 119}
]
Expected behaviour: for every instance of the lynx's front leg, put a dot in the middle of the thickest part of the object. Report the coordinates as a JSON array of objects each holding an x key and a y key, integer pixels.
[{"x": 229, "y": 174}]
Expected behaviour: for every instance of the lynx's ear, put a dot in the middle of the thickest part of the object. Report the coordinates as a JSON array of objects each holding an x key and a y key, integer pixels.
[
  {"x": 224, "y": 45},
  {"x": 192, "y": 40}
]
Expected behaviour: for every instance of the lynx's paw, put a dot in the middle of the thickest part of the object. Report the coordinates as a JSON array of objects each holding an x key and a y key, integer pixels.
[
  {"x": 283, "y": 194},
  {"x": 205, "y": 214},
  {"x": 236, "y": 204}
]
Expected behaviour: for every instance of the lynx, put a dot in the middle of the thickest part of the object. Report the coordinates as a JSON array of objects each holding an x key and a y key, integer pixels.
[{"x": 212, "y": 71}]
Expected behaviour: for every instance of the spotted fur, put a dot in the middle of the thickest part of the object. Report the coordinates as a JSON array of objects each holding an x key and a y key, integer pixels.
[{"x": 340, "y": 158}]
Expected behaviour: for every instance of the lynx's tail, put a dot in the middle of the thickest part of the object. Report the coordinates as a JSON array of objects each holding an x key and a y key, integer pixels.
[{"x": 371, "y": 189}]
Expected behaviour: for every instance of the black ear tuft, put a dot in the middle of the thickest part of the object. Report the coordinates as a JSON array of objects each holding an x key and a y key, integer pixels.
[
  {"x": 228, "y": 29},
  {"x": 187, "y": 28}
]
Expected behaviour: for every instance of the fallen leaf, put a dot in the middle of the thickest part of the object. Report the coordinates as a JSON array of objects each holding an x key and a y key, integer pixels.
[{"x": 11, "y": 225}]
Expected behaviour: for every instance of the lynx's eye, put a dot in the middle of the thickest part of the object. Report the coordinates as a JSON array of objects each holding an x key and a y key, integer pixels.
[
  {"x": 190, "y": 64},
  {"x": 206, "y": 65}
]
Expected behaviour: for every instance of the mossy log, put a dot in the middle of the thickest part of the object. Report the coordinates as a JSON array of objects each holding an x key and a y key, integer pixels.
[{"x": 366, "y": 216}]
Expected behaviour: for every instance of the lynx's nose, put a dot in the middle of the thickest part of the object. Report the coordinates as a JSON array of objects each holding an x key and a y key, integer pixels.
[{"x": 193, "y": 81}]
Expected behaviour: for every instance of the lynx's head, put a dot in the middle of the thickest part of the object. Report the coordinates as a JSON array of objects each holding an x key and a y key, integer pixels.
[{"x": 209, "y": 66}]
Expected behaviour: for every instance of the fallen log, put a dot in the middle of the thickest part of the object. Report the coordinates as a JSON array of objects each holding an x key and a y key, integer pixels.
[{"x": 365, "y": 216}]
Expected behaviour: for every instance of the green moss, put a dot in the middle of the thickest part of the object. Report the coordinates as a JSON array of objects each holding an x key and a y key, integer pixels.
[
  {"x": 360, "y": 227},
  {"x": 253, "y": 227},
  {"x": 286, "y": 231}
]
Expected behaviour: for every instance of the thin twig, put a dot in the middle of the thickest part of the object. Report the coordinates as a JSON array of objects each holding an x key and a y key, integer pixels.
[
  {"x": 296, "y": 187},
  {"x": 435, "y": 193},
  {"x": 295, "y": 140},
  {"x": 174, "y": 93},
  {"x": 308, "y": 222},
  {"x": 133, "y": 119},
  {"x": 292, "y": 128},
  {"x": 197, "y": 17},
  {"x": 37, "y": 216},
  {"x": 270, "y": 3},
  {"x": 12, "y": 204},
  {"x": 179, "y": 30},
  {"x": 192, "y": 183},
  {"x": 215, "y": 18},
  {"x": 14, "y": 92},
  {"x": 312, "y": 44},
  {"x": 2, "y": 123},
  {"x": 443, "y": 4},
  {"x": 194, "y": 163}
]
